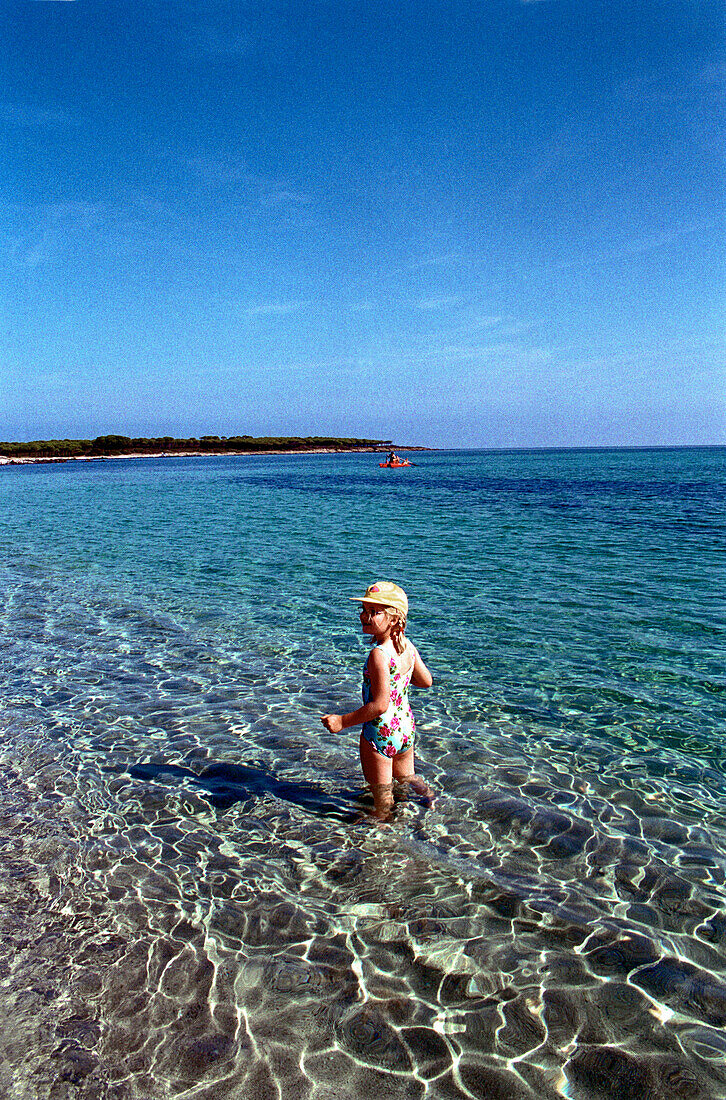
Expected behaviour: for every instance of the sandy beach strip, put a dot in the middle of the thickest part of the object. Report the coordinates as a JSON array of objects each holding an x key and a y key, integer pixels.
[{"x": 24, "y": 460}]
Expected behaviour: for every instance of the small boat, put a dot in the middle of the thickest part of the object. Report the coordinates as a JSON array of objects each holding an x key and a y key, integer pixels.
[{"x": 395, "y": 465}]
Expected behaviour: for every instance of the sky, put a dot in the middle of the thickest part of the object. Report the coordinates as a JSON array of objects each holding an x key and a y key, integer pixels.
[{"x": 493, "y": 223}]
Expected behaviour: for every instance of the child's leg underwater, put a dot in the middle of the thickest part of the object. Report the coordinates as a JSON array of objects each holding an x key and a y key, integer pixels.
[
  {"x": 404, "y": 771},
  {"x": 377, "y": 770}
]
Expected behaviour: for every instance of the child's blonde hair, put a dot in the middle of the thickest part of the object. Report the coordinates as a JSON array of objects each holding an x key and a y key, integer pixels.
[{"x": 398, "y": 629}]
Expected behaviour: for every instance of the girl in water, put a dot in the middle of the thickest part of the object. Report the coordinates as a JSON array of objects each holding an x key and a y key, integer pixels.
[{"x": 386, "y": 740}]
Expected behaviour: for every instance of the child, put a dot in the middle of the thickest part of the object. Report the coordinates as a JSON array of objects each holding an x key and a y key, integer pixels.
[{"x": 386, "y": 740}]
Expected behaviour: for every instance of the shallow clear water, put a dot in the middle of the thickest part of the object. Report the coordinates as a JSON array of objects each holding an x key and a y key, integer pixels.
[{"x": 194, "y": 902}]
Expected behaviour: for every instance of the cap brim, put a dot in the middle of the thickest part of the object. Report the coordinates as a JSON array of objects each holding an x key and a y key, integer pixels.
[{"x": 369, "y": 599}]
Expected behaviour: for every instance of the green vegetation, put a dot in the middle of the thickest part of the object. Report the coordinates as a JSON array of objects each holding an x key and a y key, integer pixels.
[{"x": 106, "y": 446}]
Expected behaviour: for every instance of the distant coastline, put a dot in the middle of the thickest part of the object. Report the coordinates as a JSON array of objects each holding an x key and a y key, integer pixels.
[{"x": 118, "y": 446}]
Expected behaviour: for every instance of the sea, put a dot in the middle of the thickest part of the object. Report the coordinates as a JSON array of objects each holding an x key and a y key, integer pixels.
[{"x": 195, "y": 901}]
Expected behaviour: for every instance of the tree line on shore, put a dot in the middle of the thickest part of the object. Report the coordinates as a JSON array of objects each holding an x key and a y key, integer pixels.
[{"x": 106, "y": 446}]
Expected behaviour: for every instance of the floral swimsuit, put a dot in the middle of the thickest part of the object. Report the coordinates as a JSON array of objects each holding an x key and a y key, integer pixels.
[{"x": 393, "y": 732}]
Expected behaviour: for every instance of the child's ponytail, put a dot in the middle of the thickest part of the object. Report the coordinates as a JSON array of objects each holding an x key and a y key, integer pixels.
[{"x": 398, "y": 629}]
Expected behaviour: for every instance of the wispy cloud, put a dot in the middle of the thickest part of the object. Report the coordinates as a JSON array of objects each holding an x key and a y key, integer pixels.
[
  {"x": 442, "y": 259},
  {"x": 274, "y": 309},
  {"x": 75, "y": 214},
  {"x": 521, "y": 354},
  {"x": 658, "y": 241},
  {"x": 306, "y": 368},
  {"x": 216, "y": 173},
  {"x": 273, "y": 193},
  {"x": 35, "y": 253},
  {"x": 29, "y": 117},
  {"x": 690, "y": 357},
  {"x": 508, "y": 354},
  {"x": 432, "y": 304},
  {"x": 436, "y": 351},
  {"x": 704, "y": 84},
  {"x": 367, "y": 305},
  {"x": 546, "y": 162},
  {"x": 639, "y": 246},
  {"x": 38, "y": 233}
]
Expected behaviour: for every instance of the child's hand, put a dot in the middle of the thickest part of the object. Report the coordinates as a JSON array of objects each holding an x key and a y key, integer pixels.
[{"x": 333, "y": 722}]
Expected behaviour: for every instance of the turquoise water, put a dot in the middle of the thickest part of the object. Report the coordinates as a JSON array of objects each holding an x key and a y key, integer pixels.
[{"x": 195, "y": 902}]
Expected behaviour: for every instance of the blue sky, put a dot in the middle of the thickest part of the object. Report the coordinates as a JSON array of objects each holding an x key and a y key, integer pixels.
[{"x": 493, "y": 223}]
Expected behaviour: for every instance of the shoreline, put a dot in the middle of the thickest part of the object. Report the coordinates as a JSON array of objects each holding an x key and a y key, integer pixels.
[{"x": 31, "y": 460}]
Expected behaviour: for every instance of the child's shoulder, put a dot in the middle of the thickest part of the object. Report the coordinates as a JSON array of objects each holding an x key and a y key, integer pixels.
[
  {"x": 382, "y": 653},
  {"x": 377, "y": 652},
  {"x": 378, "y": 662}
]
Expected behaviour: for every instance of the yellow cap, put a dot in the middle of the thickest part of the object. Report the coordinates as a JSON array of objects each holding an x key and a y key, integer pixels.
[{"x": 386, "y": 594}]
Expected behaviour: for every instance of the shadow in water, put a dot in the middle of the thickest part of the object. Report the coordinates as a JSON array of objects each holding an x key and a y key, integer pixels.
[{"x": 224, "y": 785}]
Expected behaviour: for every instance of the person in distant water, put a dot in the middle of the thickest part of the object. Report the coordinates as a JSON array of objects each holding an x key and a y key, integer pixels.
[
  {"x": 392, "y": 457},
  {"x": 387, "y": 736}
]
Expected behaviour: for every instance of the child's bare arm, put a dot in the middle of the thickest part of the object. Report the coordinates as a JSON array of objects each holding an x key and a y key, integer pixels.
[
  {"x": 421, "y": 676},
  {"x": 380, "y": 678}
]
